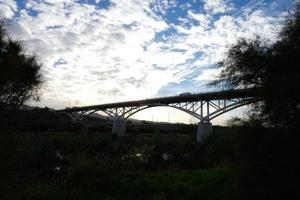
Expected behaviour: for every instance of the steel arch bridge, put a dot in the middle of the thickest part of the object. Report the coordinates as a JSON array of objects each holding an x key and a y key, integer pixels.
[{"x": 203, "y": 106}]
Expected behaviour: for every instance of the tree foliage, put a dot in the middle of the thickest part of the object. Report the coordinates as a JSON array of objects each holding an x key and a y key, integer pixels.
[
  {"x": 20, "y": 77},
  {"x": 272, "y": 67}
]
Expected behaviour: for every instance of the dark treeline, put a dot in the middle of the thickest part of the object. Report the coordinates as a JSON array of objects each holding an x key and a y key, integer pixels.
[
  {"x": 20, "y": 78},
  {"x": 270, "y": 166},
  {"x": 272, "y": 67}
]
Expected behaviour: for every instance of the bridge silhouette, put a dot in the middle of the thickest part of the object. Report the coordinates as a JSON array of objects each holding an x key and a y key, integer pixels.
[{"x": 203, "y": 106}]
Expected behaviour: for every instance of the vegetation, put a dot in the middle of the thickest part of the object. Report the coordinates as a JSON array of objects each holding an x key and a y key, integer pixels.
[
  {"x": 272, "y": 67},
  {"x": 20, "y": 77},
  {"x": 93, "y": 166},
  {"x": 233, "y": 163},
  {"x": 269, "y": 165}
]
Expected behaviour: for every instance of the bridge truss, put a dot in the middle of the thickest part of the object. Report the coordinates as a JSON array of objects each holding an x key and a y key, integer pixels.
[{"x": 204, "y": 107}]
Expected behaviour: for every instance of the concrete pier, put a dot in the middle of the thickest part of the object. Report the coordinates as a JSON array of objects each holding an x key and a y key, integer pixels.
[
  {"x": 119, "y": 127},
  {"x": 204, "y": 129}
]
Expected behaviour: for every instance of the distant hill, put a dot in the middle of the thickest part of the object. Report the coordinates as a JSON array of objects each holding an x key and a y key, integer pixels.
[{"x": 46, "y": 119}]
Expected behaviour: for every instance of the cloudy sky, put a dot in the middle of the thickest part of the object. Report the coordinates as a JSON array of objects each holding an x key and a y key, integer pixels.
[{"x": 99, "y": 51}]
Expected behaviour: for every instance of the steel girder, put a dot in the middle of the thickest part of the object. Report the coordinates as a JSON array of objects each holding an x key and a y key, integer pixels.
[{"x": 204, "y": 111}]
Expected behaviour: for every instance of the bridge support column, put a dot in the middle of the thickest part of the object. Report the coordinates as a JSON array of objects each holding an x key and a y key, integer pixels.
[
  {"x": 204, "y": 129},
  {"x": 119, "y": 127}
]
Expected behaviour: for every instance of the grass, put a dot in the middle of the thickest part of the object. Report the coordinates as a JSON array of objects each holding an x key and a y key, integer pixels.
[
  {"x": 99, "y": 166},
  {"x": 91, "y": 166},
  {"x": 191, "y": 184}
]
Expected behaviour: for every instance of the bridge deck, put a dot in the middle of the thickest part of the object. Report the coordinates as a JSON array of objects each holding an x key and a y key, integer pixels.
[{"x": 228, "y": 94}]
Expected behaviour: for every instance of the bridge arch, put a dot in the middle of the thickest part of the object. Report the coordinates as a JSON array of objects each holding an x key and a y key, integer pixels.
[
  {"x": 208, "y": 116},
  {"x": 138, "y": 109},
  {"x": 108, "y": 112},
  {"x": 203, "y": 106},
  {"x": 72, "y": 116},
  {"x": 231, "y": 107}
]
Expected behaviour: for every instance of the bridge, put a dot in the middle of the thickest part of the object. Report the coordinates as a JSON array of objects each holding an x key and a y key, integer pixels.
[{"x": 203, "y": 106}]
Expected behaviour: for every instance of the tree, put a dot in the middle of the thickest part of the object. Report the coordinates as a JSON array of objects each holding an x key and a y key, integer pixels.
[
  {"x": 20, "y": 77},
  {"x": 272, "y": 67}
]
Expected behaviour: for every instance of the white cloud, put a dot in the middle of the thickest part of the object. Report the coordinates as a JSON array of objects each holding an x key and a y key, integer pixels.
[
  {"x": 214, "y": 38},
  {"x": 204, "y": 20},
  {"x": 109, "y": 43},
  {"x": 7, "y": 8},
  {"x": 209, "y": 74},
  {"x": 217, "y": 6},
  {"x": 90, "y": 54}
]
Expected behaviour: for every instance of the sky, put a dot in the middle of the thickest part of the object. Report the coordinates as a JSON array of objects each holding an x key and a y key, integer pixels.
[{"x": 102, "y": 51}]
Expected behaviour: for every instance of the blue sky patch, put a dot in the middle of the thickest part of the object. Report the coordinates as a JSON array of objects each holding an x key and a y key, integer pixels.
[{"x": 60, "y": 61}]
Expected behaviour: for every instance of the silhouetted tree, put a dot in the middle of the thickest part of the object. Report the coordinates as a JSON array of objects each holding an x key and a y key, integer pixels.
[
  {"x": 20, "y": 77},
  {"x": 273, "y": 67}
]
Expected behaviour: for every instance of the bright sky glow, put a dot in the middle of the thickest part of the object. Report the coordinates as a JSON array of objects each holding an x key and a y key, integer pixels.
[{"x": 99, "y": 51}]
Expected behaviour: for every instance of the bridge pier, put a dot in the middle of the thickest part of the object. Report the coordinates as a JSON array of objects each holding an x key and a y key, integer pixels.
[
  {"x": 204, "y": 130},
  {"x": 119, "y": 127}
]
